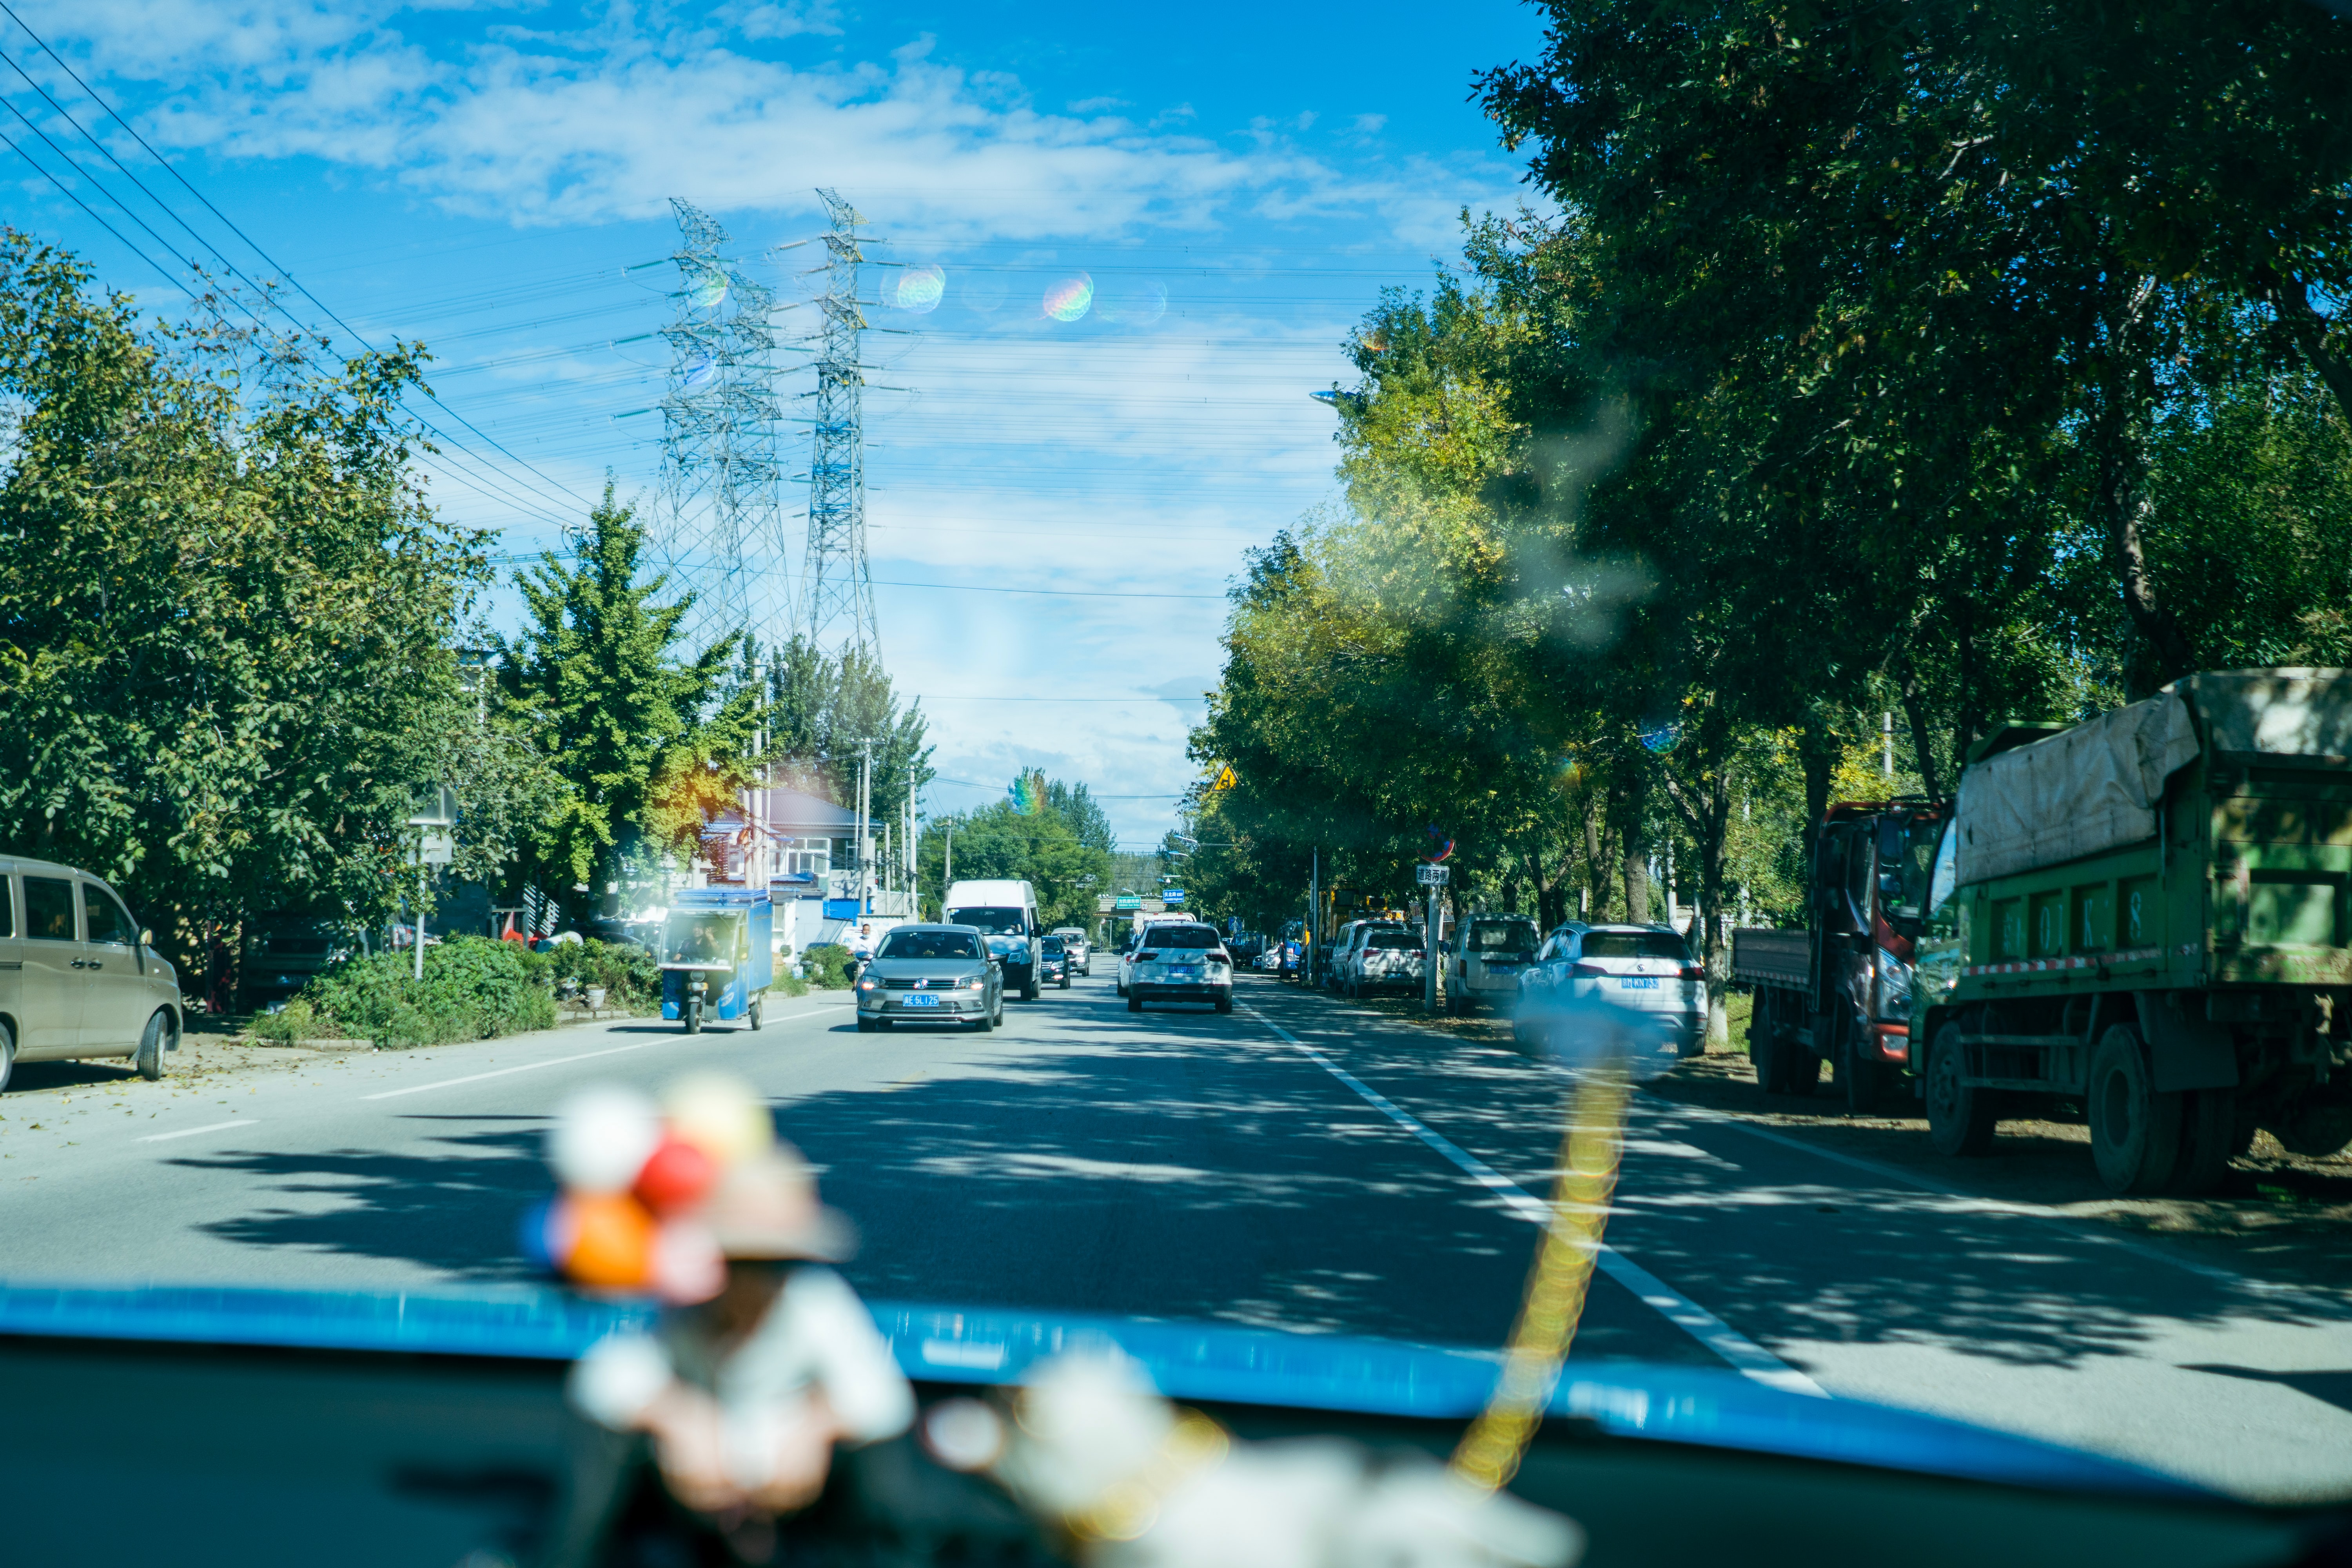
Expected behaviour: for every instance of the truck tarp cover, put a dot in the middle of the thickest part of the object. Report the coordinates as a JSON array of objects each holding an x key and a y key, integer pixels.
[
  {"x": 2277, "y": 712},
  {"x": 2082, "y": 790}
]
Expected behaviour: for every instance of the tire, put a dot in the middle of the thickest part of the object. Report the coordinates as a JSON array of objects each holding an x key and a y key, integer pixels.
[
  {"x": 153, "y": 1044},
  {"x": 2209, "y": 1128},
  {"x": 1122, "y": 989},
  {"x": 1961, "y": 1121},
  {"x": 754, "y": 1013},
  {"x": 1858, "y": 1078},
  {"x": 1065, "y": 980},
  {"x": 1134, "y": 1003},
  {"x": 865, "y": 1024},
  {"x": 1225, "y": 1003},
  {"x": 982, "y": 1024},
  {"x": 694, "y": 1017},
  {"x": 1768, "y": 1053},
  {"x": 2135, "y": 1130},
  {"x": 1029, "y": 991},
  {"x": 7, "y": 1054}
]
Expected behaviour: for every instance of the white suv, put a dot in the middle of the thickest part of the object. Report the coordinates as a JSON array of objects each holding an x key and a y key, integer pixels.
[
  {"x": 1181, "y": 963},
  {"x": 1076, "y": 948}
]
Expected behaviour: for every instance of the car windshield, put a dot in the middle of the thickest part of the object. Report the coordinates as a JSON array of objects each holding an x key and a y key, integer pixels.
[
  {"x": 1632, "y": 944},
  {"x": 1011, "y": 920},
  {"x": 1692, "y": 662},
  {"x": 928, "y": 944},
  {"x": 702, "y": 937}
]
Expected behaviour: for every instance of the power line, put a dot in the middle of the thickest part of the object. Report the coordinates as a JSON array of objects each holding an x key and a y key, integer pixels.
[{"x": 296, "y": 283}]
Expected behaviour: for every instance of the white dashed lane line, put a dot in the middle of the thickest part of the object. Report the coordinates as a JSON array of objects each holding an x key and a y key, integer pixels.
[
  {"x": 1735, "y": 1348},
  {"x": 192, "y": 1131},
  {"x": 581, "y": 1057}
]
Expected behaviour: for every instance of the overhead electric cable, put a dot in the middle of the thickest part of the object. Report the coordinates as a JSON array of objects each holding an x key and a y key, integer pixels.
[{"x": 257, "y": 250}]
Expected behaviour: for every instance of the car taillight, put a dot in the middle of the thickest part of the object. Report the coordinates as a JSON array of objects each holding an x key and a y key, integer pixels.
[
  {"x": 1588, "y": 970},
  {"x": 1694, "y": 971}
]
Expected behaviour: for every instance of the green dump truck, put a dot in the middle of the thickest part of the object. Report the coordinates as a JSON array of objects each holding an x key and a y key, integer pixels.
[{"x": 2146, "y": 915}]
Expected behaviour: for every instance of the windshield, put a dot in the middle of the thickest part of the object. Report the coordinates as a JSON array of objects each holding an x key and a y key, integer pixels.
[
  {"x": 713, "y": 937},
  {"x": 1374, "y": 495},
  {"x": 928, "y": 944},
  {"x": 991, "y": 920}
]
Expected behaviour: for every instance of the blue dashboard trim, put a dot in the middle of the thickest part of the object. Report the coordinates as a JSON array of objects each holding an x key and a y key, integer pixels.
[{"x": 1209, "y": 1362}]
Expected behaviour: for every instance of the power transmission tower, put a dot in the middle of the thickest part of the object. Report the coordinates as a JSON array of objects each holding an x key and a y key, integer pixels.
[
  {"x": 838, "y": 606},
  {"x": 719, "y": 527}
]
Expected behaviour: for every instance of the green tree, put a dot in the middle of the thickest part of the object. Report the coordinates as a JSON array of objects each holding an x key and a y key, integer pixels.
[
  {"x": 226, "y": 617},
  {"x": 651, "y": 744}
]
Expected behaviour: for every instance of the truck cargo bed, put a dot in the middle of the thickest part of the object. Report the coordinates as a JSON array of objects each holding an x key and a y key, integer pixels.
[{"x": 1760, "y": 956}]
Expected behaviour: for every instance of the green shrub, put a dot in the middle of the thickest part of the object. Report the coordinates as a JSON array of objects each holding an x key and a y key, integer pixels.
[
  {"x": 291, "y": 1025},
  {"x": 473, "y": 989},
  {"x": 630, "y": 975},
  {"x": 828, "y": 966}
]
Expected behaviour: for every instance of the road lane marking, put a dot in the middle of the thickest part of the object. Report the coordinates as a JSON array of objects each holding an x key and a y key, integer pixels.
[
  {"x": 192, "y": 1131},
  {"x": 581, "y": 1057},
  {"x": 1733, "y": 1348}
]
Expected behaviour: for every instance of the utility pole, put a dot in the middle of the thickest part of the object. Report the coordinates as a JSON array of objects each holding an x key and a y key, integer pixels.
[
  {"x": 1312, "y": 946},
  {"x": 946, "y": 870},
  {"x": 839, "y": 607},
  {"x": 865, "y": 825},
  {"x": 1886, "y": 730}
]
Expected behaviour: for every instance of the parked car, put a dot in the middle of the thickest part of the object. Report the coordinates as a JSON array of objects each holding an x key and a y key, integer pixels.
[
  {"x": 1053, "y": 962},
  {"x": 285, "y": 952},
  {"x": 932, "y": 974},
  {"x": 78, "y": 975},
  {"x": 1644, "y": 968},
  {"x": 1347, "y": 952},
  {"x": 1485, "y": 961},
  {"x": 1386, "y": 958},
  {"x": 1182, "y": 964},
  {"x": 1081, "y": 952}
]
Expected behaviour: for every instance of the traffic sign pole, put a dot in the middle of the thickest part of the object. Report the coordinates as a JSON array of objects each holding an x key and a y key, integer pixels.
[{"x": 1433, "y": 876}]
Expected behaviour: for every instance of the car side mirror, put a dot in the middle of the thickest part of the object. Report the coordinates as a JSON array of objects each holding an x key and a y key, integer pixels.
[{"x": 146, "y": 937}]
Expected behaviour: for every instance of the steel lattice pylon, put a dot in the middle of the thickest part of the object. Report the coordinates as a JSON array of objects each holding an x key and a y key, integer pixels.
[
  {"x": 838, "y": 597},
  {"x": 719, "y": 528}
]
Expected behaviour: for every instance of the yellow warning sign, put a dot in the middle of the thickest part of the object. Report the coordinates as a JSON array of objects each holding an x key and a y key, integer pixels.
[{"x": 1226, "y": 778}]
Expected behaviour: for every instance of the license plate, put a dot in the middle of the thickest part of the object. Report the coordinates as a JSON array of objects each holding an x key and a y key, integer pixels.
[
  {"x": 1637, "y": 985},
  {"x": 920, "y": 1001},
  {"x": 1184, "y": 975}
]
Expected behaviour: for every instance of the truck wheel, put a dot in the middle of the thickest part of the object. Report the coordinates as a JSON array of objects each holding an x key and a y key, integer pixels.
[
  {"x": 1857, "y": 1078},
  {"x": 1029, "y": 991},
  {"x": 1961, "y": 1121},
  {"x": 1768, "y": 1053},
  {"x": 2135, "y": 1130},
  {"x": 754, "y": 1016},
  {"x": 2208, "y": 1128}
]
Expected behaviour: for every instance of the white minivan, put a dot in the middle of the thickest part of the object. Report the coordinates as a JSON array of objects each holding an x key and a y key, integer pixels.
[
  {"x": 1006, "y": 913},
  {"x": 77, "y": 976}
]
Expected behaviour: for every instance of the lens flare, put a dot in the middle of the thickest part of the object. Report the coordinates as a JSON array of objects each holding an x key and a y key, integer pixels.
[
  {"x": 706, "y": 289},
  {"x": 920, "y": 289},
  {"x": 1136, "y": 304},
  {"x": 1071, "y": 299},
  {"x": 698, "y": 372}
]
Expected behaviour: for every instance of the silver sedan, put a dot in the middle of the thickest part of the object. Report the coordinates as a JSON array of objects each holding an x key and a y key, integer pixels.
[{"x": 931, "y": 975}]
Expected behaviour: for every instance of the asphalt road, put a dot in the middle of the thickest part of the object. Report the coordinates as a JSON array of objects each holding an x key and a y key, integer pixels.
[{"x": 1299, "y": 1165}]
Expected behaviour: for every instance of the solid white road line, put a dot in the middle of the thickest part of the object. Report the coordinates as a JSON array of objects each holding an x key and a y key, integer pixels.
[
  {"x": 581, "y": 1057},
  {"x": 1735, "y": 1348},
  {"x": 192, "y": 1131}
]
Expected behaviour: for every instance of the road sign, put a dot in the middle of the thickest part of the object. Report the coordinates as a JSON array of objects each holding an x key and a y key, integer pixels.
[
  {"x": 1433, "y": 876},
  {"x": 1127, "y": 901},
  {"x": 1172, "y": 895},
  {"x": 1227, "y": 779}
]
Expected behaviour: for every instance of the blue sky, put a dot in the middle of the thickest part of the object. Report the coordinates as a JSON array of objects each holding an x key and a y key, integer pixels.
[{"x": 482, "y": 176}]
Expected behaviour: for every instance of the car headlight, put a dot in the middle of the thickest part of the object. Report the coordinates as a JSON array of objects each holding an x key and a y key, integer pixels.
[
  {"x": 1894, "y": 986},
  {"x": 866, "y": 985},
  {"x": 972, "y": 983}
]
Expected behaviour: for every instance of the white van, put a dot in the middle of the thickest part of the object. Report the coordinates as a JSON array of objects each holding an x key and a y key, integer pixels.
[
  {"x": 77, "y": 976},
  {"x": 1006, "y": 910}
]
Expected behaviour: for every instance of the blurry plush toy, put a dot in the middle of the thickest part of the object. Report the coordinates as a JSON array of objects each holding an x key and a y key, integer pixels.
[
  {"x": 1137, "y": 1483},
  {"x": 762, "y": 1361}
]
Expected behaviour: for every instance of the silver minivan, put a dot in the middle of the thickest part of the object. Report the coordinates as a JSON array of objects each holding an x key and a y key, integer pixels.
[{"x": 77, "y": 976}]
